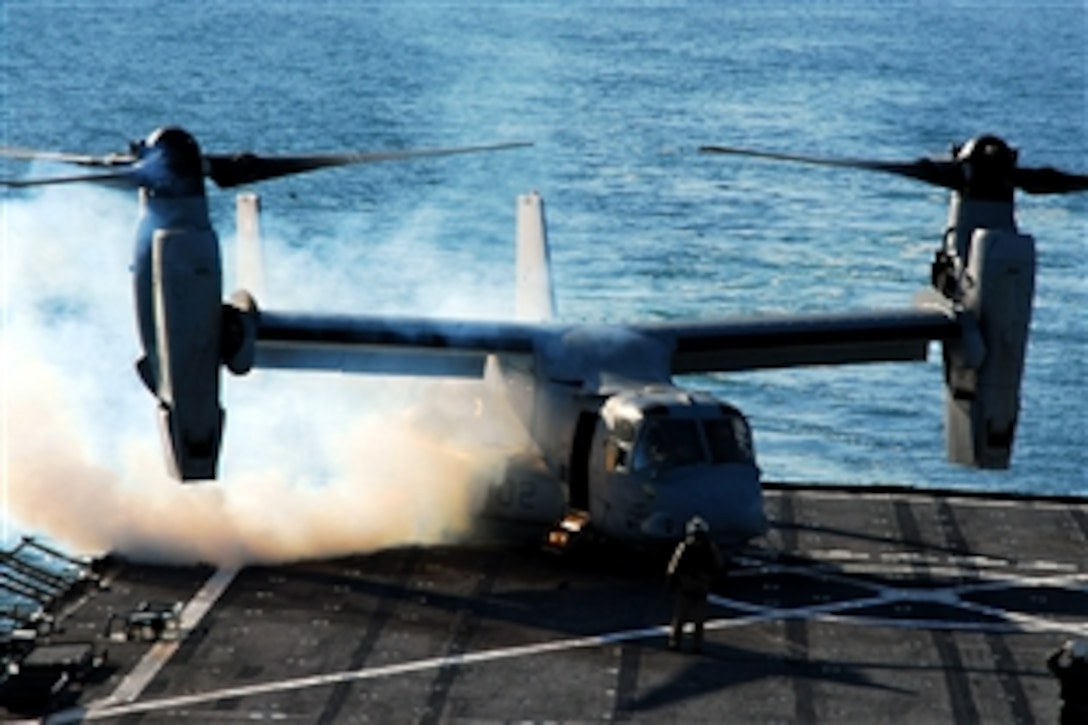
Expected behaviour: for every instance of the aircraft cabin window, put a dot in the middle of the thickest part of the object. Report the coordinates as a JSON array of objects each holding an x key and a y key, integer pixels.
[
  {"x": 730, "y": 440},
  {"x": 668, "y": 442}
]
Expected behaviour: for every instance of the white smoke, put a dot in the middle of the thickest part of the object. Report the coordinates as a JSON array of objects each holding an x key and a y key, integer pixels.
[{"x": 312, "y": 465}]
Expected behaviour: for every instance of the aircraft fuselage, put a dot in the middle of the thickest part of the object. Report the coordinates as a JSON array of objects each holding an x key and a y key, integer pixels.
[{"x": 640, "y": 459}]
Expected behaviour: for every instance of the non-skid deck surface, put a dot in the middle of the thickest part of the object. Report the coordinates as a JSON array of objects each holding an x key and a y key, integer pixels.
[{"x": 858, "y": 607}]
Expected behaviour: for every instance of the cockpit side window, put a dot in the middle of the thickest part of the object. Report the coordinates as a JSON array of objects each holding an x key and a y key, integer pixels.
[
  {"x": 730, "y": 440},
  {"x": 617, "y": 454},
  {"x": 624, "y": 431},
  {"x": 668, "y": 442}
]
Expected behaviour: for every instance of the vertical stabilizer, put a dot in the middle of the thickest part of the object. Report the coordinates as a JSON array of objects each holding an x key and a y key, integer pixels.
[
  {"x": 250, "y": 259},
  {"x": 535, "y": 300}
]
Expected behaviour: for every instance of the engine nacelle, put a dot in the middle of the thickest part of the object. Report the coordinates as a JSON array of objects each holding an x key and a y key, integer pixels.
[
  {"x": 982, "y": 394},
  {"x": 186, "y": 289}
]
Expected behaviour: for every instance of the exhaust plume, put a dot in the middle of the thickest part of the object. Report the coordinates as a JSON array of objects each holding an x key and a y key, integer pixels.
[{"x": 313, "y": 465}]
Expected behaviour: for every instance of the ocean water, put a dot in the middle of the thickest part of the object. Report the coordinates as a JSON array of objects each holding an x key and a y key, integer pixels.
[{"x": 617, "y": 99}]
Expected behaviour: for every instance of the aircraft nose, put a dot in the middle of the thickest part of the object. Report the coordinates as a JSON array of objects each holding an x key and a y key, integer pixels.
[{"x": 732, "y": 508}]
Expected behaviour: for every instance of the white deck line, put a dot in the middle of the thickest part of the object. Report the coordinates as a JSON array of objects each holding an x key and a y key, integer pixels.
[
  {"x": 827, "y": 611},
  {"x": 160, "y": 653}
]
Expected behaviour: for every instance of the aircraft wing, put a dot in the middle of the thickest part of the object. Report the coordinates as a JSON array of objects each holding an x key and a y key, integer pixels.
[
  {"x": 777, "y": 341},
  {"x": 393, "y": 345},
  {"x": 387, "y": 345}
]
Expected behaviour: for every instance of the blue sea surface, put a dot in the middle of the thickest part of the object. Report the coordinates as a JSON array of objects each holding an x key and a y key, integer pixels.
[{"x": 617, "y": 100}]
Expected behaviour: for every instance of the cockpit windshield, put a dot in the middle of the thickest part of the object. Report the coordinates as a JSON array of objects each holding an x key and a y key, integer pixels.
[
  {"x": 670, "y": 442},
  {"x": 730, "y": 440}
]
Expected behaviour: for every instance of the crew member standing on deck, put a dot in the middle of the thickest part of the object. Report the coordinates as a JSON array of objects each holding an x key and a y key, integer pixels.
[
  {"x": 691, "y": 571},
  {"x": 1070, "y": 665}
]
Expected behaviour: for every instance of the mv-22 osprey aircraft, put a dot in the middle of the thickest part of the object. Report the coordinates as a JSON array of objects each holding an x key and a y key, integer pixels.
[{"x": 627, "y": 454}]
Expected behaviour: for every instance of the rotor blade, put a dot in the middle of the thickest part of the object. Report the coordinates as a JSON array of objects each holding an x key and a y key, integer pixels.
[
  {"x": 228, "y": 170},
  {"x": 1048, "y": 180},
  {"x": 938, "y": 173},
  {"x": 110, "y": 160},
  {"x": 107, "y": 177}
]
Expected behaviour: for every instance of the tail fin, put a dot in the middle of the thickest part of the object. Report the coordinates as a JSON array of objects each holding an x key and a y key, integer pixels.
[
  {"x": 535, "y": 300},
  {"x": 249, "y": 257}
]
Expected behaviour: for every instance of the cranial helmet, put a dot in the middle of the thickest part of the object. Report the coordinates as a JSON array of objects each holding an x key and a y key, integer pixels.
[{"x": 697, "y": 526}]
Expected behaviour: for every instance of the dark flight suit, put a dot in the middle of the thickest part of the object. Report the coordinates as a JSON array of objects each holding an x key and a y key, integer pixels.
[
  {"x": 1073, "y": 678},
  {"x": 691, "y": 571}
]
